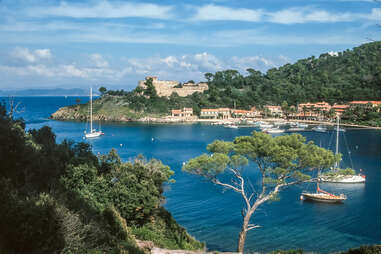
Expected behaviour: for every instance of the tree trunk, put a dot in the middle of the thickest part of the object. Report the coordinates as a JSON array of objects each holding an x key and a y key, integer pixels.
[{"x": 242, "y": 234}]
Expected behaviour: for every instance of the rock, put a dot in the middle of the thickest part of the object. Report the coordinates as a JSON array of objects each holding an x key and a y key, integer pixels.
[{"x": 146, "y": 246}]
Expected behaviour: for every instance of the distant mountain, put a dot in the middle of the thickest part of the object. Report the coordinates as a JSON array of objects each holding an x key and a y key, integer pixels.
[{"x": 46, "y": 92}]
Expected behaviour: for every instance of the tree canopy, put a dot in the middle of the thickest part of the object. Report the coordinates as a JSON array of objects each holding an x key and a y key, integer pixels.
[{"x": 61, "y": 198}]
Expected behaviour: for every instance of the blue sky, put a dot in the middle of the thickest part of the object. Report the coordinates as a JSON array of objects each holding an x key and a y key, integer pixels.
[{"x": 51, "y": 43}]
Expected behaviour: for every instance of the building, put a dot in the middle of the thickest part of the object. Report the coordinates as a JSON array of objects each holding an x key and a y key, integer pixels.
[
  {"x": 167, "y": 87},
  {"x": 240, "y": 113},
  {"x": 275, "y": 111},
  {"x": 312, "y": 110},
  {"x": 209, "y": 113},
  {"x": 365, "y": 103},
  {"x": 223, "y": 113},
  {"x": 339, "y": 109},
  {"x": 185, "y": 112},
  {"x": 255, "y": 112}
]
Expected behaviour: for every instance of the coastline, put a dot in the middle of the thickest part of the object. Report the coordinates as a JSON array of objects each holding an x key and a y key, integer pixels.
[{"x": 195, "y": 120}]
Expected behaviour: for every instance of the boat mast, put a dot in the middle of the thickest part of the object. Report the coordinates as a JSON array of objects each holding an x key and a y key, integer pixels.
[
  {"x": 91, "y": 109},
  {"x": 337, "y": 139}
]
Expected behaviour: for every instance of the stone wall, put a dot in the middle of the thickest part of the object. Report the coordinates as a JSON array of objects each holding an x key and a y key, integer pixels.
[{"x": 167, "y": 87}]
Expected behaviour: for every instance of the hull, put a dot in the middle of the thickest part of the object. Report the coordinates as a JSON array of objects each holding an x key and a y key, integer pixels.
[
  {"x": 295, "y": 129},
  {"x": 231, "y": 126},
  {"x": 319, "y": 129},
  {"x": 94, "y": 134},
  {"x": 273, "y": 131},
  {"x": 344, "y": 179},
  {"x": 264, "y": 126},
  {"x": 324, "y": 198}
]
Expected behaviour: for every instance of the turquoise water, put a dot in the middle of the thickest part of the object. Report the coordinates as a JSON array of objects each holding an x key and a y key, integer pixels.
[{"x": 213, "y": 216}]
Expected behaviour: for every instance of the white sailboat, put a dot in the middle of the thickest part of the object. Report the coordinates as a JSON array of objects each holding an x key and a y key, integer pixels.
[
  {"x": 337, "y": 177},
  {"x": 93, "y": 132}
]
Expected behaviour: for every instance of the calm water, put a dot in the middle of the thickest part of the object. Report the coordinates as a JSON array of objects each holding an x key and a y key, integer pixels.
[{"x": 214, "y": 217}]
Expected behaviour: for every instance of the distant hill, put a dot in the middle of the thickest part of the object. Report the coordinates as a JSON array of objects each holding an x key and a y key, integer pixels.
[{"x": 46, "y": 92}]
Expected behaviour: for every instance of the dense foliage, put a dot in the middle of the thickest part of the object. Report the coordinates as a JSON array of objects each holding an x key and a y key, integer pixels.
[
  {"x": 61, "y": 198},
  {"x": 351, "y": 75},
  {"x": 367, "y": 115}
]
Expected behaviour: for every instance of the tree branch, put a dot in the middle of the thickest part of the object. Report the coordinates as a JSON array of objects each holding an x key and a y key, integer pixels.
[
  {"x": 252, "y": 226},
  {"x": 216, "y": 181}
]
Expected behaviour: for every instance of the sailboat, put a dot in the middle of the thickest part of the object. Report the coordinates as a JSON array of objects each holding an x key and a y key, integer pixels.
[
  {"x": 93, "y": 132},
  {"x": 322, "y": 196},
  {"x": 339, "y": 175}
]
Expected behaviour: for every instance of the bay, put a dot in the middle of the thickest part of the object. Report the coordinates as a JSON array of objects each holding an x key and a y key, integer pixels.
[{"x": 214, "y": 216}]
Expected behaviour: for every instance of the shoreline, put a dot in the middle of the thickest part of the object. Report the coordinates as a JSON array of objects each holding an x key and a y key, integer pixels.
[{"x": 193, "y": 120}]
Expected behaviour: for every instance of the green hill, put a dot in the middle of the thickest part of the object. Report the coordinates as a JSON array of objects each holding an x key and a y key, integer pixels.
[{"x": 350, "y": 75}]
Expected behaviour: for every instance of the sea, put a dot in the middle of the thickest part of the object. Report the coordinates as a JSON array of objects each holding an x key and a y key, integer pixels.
[{"x": 212, "y": 214}]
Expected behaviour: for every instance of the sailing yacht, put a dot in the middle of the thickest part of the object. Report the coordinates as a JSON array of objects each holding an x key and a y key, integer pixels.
[
  {"x": 93, "y": 132},
  {"x": 336, "y": 177},
  {"x": 322, "y": 196}
]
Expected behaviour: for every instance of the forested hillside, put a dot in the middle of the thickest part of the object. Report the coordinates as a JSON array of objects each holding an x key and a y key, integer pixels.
[
  {"x": 335, "y": 78},
  {"x": 61, "y": 198}
]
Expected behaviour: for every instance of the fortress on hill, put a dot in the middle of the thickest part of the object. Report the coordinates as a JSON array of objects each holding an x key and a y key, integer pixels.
[{"x": 167, "y": 87}]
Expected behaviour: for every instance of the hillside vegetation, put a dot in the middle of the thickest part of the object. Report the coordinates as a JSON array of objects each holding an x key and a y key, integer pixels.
[
  {"x": 61, "y": 198},
  {"x": 350, "y": 75}
]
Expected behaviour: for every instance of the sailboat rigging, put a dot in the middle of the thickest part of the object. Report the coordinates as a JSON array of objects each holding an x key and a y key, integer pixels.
[
  {"x": 341, "y": 175},
  {"x": 93, "y": 132}
]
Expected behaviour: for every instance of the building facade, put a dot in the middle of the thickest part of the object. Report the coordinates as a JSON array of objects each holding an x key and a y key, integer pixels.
[{"x": 167, "y": 87}]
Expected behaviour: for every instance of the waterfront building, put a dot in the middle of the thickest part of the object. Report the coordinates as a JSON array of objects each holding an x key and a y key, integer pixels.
[
  {"x": 184, "y": 112},
  {"x": 312, "y": 111},
  {"x": 339, "y": 109},
  {"x": 275, "y": 111}
]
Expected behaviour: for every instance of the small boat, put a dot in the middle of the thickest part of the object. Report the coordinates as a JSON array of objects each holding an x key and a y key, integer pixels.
[
  {"x": 319, "y": 129},
  {"x": 322, "y": 196},
  {"x": 231, "y": 126},
  {"x": 344, "y": 179},
  {"x": 302, "y": 125},
  {"x": 93, "y": 132},
  {"x": 273, "y": 130},
  {"x": 279, "y": 123},
  {"x": 265, "y": 126},
  {"x": 296, "y": 129}
]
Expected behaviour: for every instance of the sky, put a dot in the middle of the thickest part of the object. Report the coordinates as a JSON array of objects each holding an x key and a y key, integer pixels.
[{"x": 82, "y": 43}]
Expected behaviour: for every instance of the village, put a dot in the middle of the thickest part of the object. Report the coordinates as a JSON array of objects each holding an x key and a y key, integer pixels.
[{"x": 312, "y": 112}]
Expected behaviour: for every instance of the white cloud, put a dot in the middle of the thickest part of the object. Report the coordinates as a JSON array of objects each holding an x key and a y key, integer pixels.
[
  {"x": 103, "y": 9},
  {"x": 24, "y": 54},
  {"x": 307, "y": 15},
  {"x": 43, "y": 53},
  {"x": 31, "y": 56},
  {"x": 99, "y": 61},
  {"x": 214, "y": 12},
  {"x": 41, "y": 70},
  {"x": 182, "y": 68},
  {"x": 376, "y": 14},
  {"x": 293, "y": 15}
]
